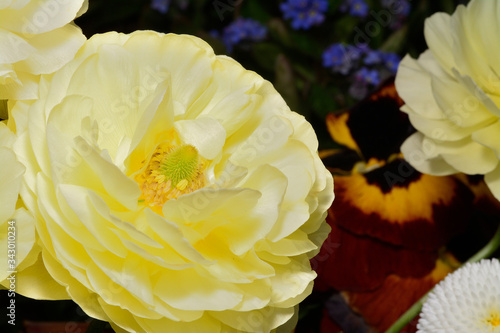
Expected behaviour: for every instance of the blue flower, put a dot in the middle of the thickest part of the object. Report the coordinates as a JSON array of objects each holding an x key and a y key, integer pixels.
[
  {"x": 391, "y": 61},
  {"x": 304, "y": 13},
  {"x": 243, "y": 30},
  {"x": 398, "y": 7},
  {"x": 358, "y": 8},
  {"x": 341, "y": 58},
  {"x": 358, "y": 90},
  {"x": 369, "y": 76},
  {"x": 373, "y": 57},
  {"x": 161, "y": 5}
]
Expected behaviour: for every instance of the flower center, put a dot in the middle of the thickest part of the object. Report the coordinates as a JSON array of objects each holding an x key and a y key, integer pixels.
[
  {"x": 494, "y": 319},
  {"x": 171, "y": 172}
]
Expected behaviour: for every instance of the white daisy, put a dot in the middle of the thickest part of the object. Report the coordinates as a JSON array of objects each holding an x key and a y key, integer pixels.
[{"x": 468, "y": 301}]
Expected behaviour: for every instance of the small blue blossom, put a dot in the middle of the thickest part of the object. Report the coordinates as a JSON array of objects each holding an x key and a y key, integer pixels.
[
  {"x": 373, "y": 57},
  {"x": 304, "y": 13},
  {"x": 357, "y": 8},
  {"x": 358, "y": 90},
  {"x": 341, "y": 58},
  {"x": 369, "y": 76},
  {"x": 243, "y": 30},
  {"x": 161, "y": 5},
  {"x": 400, "y": 9},
  {"x": 164, "y": 5},
  {"x": 214, "y": 34},
  {"x": 363, "y": 48},
  {"x": 391, "y": 61}
]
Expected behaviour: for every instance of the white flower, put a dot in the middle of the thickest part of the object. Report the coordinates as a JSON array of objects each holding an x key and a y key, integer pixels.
[
  {"x": 466, "y": 301},
  {"x": 452, "y": 95}
]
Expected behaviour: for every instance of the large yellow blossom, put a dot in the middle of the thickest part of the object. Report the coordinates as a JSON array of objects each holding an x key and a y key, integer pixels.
[
  {"x": 174, "y": 190},
  {"x": 36, "y": 37},
  {"x": 452, "y": 95}
]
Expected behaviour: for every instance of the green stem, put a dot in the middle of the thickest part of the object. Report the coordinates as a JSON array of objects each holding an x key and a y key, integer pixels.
[
  {"x": 412, "y": 312},
  {"x": 407, "y": 316},
  {"x": 488, "y": 250}
]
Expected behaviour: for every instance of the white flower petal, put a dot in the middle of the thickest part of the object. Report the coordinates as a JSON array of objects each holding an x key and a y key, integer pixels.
[
  {"x": 492, "y": 179},
  {"x": 416, "y": 154},
  {"x": 440, "y": 39},
  {"x": 467, "y": 300},
  {"x": 451, "y": 93}
]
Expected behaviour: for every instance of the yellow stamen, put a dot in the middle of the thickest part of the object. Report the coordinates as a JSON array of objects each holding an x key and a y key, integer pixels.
[
  {"x": 494, "y": 319},
  {"x": 171, "y": 172}
]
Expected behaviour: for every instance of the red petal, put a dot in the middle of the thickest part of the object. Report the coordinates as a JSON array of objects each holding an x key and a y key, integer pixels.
[
  {"x": 359, "y": 263},
  {"x": 398, "y": 205},
  {"x": 382, "y": 307}
]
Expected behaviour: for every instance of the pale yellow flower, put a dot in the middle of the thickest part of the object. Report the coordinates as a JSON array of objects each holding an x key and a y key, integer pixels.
[
  {"x": 17, "y": 227},
  {"x": 452, "y": 95},
  {"x": 36, "y": 37},
  {"x": 174, "y": 190}
]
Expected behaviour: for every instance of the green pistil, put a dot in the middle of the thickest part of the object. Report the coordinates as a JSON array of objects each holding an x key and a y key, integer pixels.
[{"x": 181, "y": 163}]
